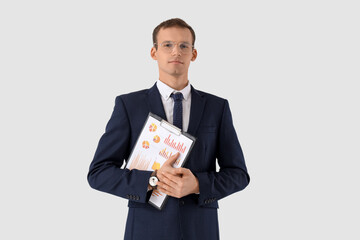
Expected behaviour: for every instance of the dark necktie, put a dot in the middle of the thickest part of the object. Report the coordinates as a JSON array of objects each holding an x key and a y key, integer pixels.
[{"x": 177, "y": 116}]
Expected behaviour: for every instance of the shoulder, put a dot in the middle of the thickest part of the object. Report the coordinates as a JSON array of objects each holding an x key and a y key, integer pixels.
[
  {"x": 210, "y": 98},
  {"x": 136, "y": 96},
  {"x": 132, "y": 95}
]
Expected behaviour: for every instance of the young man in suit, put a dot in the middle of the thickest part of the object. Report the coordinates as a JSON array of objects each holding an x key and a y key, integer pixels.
[{"x": 194, "y": 190}]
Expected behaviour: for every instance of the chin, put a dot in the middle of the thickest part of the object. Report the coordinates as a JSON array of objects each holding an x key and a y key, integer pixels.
[
  {"x": 177, "y": 73},
  {"x": 174, "y": 72}
]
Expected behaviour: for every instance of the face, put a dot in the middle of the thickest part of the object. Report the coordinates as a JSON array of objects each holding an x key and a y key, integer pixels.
[{"x": 173, "y": 64}]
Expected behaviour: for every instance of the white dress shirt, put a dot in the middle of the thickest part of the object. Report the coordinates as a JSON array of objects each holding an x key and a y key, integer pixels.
[{"x": 168, "y": 102}]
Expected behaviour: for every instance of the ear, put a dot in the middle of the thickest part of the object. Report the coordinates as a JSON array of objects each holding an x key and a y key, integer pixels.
[
  {"x": 194, "y": 55},
  {"x": 153, "y": 53}
]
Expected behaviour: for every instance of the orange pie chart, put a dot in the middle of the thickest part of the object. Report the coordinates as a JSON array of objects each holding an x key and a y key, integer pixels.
[
  {"x": 152, "y": 127},
  {"x": 156, "y": 139},
  {"x": 145, "y": 144}
]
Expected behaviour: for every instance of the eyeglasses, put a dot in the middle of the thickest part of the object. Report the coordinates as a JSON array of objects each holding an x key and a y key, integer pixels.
[{"x": 168, "y": 46}]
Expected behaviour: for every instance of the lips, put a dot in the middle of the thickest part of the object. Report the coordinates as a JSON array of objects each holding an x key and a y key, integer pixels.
[{"x": 176, "y": 62}]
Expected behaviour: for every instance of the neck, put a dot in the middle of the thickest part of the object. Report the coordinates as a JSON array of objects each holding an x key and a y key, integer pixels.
[{"x": 175, "y": 82}]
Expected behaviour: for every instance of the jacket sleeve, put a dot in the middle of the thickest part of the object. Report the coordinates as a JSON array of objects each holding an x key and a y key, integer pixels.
[
  {"x": 105, "y": 173},
  {"x": 232, "y": 175}
]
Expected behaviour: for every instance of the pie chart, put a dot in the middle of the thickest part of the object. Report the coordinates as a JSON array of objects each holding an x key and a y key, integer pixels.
[
  {"x": 156, "y": 139},
  {"x": 152, "y": 127},
  {"x": 145, "y": 144}
]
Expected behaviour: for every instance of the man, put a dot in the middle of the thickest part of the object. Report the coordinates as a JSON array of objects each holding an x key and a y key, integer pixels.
[{"x": 194, "y": 190}]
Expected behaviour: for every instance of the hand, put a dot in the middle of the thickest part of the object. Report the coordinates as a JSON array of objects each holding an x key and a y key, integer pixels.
[{"x": 176, "y": 182}]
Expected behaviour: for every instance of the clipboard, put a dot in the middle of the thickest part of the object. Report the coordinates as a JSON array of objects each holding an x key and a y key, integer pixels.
[{"x": 157, "y": 142}]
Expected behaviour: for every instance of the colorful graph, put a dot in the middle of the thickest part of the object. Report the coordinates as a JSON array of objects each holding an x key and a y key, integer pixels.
[
  {"x": 157, "y": 193},
  {"x": 177, "y": 146},
  {"x": 140, "y": 162},
  {"x": 155, "y": 166},
  {"x": 165, "y": 154}
]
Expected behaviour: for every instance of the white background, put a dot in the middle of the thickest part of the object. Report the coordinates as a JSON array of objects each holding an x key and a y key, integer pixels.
[{"x": 290, "y": 70}]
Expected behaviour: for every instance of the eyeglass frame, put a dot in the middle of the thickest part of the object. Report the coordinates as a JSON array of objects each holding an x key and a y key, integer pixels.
[{"x": 175, "y": 43}]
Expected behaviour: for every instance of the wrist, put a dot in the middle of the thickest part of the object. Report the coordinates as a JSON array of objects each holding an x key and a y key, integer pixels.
[
  {"x": 153, "y": 180},
  {"x": 197, "y": 187}
]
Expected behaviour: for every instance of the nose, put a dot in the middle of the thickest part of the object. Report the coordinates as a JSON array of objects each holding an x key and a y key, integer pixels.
[{"x": 176, "y": 50}]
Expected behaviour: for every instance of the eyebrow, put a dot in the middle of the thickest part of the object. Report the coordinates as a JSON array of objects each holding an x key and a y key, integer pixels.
[{"x": 175, "y": 41}]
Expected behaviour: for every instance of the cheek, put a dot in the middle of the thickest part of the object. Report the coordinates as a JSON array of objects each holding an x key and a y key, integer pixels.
[
  {"x": 162, "y": 59},
  {"x": 187, "y": 63}
]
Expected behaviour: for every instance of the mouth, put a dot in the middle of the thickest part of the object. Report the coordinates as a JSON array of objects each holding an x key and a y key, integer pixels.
[{"x": 176, "y": 62}]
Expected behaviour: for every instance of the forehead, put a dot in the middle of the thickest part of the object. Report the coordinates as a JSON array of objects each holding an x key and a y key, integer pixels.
[{"x": 175, "y": 34}]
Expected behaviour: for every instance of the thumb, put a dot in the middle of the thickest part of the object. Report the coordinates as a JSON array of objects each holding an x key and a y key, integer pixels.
[{"x": 172, "y": 159}]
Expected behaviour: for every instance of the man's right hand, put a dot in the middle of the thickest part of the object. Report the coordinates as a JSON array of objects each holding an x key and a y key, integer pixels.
[{"x": 167, "y": 166}]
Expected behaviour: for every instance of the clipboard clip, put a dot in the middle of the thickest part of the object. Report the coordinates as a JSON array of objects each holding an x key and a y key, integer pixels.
[{"x": 170, "y": 127}]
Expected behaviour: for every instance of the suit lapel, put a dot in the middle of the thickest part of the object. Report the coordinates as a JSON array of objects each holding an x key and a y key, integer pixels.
[
  {"x": 196, "y": 110},
  {"x": 155, "y": 104}
]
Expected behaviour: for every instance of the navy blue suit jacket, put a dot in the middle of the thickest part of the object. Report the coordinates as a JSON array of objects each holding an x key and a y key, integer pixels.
[{"x": 193, "y": 216}]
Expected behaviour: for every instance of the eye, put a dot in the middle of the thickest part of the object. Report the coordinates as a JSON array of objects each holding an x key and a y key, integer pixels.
[
  {"x": 184, "y": 46},
  {"x": 167, "y": 45}
]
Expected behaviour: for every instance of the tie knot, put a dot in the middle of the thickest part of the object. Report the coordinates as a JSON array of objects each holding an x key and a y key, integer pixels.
[{"x": 177, "y": 96}]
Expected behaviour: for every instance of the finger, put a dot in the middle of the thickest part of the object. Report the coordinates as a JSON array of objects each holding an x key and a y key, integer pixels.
[
  {"x": 165, "y": 174},
  {"x": 171, "y": 180},
  {"x": 178, "y": 171},
  {"x": 167, "y": 192},
  {"x": 167, "y": 170},
  {"x": 171, "y": 159},
  {"x": 163, "y": 186},
  {"x": 168, "y": 183},
  {"x": 163, "y": 190}
]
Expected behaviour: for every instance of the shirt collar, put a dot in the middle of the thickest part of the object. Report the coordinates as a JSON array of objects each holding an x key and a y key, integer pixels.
[{"x": 166, "y": 91}]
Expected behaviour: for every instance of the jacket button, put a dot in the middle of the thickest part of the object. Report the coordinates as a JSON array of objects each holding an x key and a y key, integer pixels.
[
  {"x": 182, "y": 203},
  {"x": 137, "y": 197}
]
